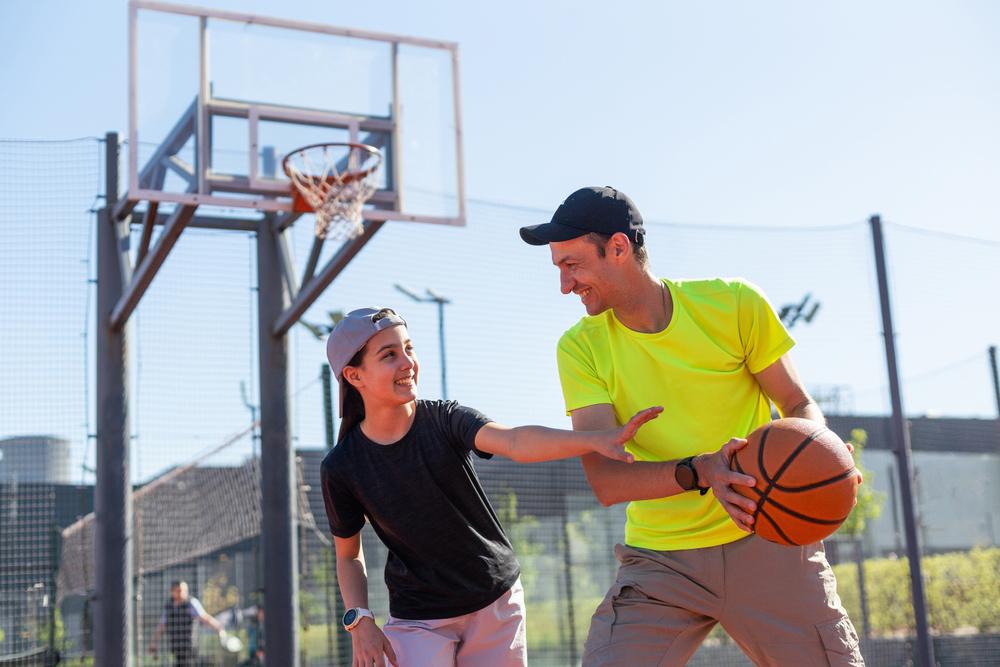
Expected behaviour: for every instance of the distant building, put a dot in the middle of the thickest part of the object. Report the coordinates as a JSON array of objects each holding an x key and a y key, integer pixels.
[
  {"x": 956, "y": 469},
  {"x": 32, "y": 516},
  {"x": 34, "y": 459}
]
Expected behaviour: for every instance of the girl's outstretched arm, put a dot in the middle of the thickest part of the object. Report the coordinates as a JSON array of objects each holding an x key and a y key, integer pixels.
[{"x": 528, "y": 444}]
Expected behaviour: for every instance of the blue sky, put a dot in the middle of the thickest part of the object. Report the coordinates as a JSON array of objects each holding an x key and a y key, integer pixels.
[
  {"x": 745, "y": 115},
  {"x": 780, "y": 113}
]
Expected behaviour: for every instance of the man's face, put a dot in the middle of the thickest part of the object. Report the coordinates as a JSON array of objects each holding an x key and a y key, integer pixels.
[
  {"x": 178, "y": 594},
  {"x": 582, "y": 271}
]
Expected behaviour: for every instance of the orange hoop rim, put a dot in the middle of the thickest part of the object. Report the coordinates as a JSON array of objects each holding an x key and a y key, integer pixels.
[{"x": 346, "y": 177}]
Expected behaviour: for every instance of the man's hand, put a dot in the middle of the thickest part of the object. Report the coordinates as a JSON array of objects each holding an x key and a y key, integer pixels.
[
  {"x": 714, "y": 471},
  {"x": 369, "y": 644},
  {"x": 151, "y": 647},
  {"x": 861, "y": 478},
  {"x": 612, "y": 443}
]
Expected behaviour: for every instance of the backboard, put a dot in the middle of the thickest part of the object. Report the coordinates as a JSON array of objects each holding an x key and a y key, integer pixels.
[{"x": 217, "y": 99}]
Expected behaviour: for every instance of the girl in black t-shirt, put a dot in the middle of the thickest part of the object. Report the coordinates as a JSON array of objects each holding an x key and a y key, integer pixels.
[{"x": 405, "y": 466}]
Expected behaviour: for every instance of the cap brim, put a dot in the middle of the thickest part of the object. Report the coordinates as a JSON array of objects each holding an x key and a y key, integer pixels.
[{"x": 550, "y": 232}]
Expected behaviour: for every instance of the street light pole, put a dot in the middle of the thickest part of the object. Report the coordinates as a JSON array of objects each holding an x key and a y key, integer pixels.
[{"x": 432, "y": 297}]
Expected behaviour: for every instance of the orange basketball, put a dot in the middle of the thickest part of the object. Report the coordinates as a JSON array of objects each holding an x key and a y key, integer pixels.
[{"x": 806, "y": 480}]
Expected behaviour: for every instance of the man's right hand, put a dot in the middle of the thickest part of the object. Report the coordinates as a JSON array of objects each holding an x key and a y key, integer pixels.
[
  {"x": 369, "y": 644},
  {"x": 713, "y": 470},
  {"x": 151, "y": 648}
]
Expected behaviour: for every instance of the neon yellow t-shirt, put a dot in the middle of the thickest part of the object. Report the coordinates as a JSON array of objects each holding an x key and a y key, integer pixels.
[{"x": 700, "y": 369}]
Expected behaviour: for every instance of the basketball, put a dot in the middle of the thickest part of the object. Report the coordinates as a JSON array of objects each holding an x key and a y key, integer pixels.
[{"x": 806, "y": 480}]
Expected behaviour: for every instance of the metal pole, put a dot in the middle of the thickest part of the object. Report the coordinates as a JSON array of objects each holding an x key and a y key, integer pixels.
[
  {"x": 277, "y": 462},
  {"x": 55, "y": 549},
  {"x": 568, "y": 572},
  {"x": 996, "y": 377},
  {"x": 441, "y": 302},
  {"x": 444, "y": 365},
  {"x": 925, "y": 645},
  {"x": 330, "y": 431},
  {"x": 113, "y": 491}
]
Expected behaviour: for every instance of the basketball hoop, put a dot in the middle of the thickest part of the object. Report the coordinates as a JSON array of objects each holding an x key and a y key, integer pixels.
[{"x": 334, "y": 180}]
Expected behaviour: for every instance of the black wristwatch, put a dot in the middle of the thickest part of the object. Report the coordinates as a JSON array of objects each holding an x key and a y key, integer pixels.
[{"x": 687, "y": 476}]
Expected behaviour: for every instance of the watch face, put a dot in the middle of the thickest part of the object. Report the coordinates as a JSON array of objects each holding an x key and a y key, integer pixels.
[
  {"x": 684, "y": 476},
  {"x": 350, "y": 616}
]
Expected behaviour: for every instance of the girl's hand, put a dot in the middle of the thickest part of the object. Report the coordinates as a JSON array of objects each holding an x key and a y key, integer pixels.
[
  {"x": 369, "y": 644},
  {"x": 612, "y": 443}
]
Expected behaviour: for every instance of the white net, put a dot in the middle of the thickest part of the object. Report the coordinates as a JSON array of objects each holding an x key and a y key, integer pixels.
[{"x": 335, "y": 180}]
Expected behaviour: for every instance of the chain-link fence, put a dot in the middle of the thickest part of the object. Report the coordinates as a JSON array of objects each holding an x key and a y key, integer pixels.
[{"x": 194, "y": 390}]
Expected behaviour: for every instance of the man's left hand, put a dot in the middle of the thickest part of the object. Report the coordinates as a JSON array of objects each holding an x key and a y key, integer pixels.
[{"x": 714, "y": 471}]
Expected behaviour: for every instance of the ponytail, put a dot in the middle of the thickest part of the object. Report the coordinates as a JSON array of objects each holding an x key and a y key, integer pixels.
[
  {"x": 354, "y": 410},
  {"x": 353, "y": 406}
]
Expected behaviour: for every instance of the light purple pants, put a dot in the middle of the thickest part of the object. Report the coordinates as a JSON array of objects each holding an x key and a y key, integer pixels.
[{"x": 491, "y": 637}]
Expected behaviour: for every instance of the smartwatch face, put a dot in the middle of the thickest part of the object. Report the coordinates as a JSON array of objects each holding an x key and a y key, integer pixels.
[
  {"x": 350, "y": 616},
  {"x": 684, "y": 476}
]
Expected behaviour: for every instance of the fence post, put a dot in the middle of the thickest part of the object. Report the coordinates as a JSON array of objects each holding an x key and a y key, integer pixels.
[
  {"x": 113, "y": 628},
  {"x": 901, "y": 434},
  {"x": 277, "y": 463},
  {"x": 996, "y": 376}
]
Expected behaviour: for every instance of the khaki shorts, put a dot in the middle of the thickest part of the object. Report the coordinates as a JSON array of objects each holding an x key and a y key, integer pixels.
[
  {"x": 779, "y": 603},
  {"x": 491, "y": 637}
]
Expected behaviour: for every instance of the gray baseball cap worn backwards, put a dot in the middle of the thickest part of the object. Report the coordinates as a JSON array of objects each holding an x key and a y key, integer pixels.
[
  {"x": 604, "y": 210},
  {"x": 352, "y": 333}
]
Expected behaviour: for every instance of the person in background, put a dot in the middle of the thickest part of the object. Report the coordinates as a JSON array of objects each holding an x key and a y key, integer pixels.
[{"x": 178, "y": 622}]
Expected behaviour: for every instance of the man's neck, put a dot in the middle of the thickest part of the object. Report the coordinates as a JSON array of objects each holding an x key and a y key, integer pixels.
[
  {"x": 388, "y": 424},
  {"x": 648, "y": 308}
]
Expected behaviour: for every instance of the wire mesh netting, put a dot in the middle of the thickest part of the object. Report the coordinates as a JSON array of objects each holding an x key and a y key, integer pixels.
[{"x": 194, "y": 386}]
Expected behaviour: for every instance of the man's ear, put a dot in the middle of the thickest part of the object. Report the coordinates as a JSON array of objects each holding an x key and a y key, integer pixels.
[{"x": 619, "y": 246}]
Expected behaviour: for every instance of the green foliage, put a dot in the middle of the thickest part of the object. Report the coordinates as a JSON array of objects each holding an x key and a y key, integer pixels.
[
  {"x": 319, "y": 574},
  {"x": 518, "y": 530},
  {"x": 546, "y": 616},
  {"x": 869, "y": 500},
  {"x": 961, "y": 591},
  {"x": 218, "y": 594},
  {"x": 43, "y": 631}
]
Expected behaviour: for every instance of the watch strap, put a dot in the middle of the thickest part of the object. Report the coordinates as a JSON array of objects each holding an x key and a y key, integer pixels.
[
  {"x": 361, "y": 613},
  {"x": 688, "y": 462}
]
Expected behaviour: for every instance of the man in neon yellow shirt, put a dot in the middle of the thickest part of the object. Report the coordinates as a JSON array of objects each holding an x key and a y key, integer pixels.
[{"x": 714, "y": 355}]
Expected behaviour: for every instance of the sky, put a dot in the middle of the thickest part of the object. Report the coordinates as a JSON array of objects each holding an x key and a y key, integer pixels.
[
  {"x": 713, "y": 117},
  {"x": 776, "y": 113}
]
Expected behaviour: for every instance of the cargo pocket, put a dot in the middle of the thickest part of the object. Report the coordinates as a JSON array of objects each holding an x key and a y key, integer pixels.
[
  {"x": 840, "y": 641},
  {"x": 602, "y": 623}
]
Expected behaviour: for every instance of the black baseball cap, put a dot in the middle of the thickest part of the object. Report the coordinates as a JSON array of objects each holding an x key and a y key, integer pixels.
[{"x": 594, "y": 209}]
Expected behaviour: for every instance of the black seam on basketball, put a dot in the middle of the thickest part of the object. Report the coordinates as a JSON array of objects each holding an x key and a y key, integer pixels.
[
  {"x": 760, "y": 455},
  {"x": 739, "y": 468},
  {"x": 771, "y": 482},
  {"x": 788, "y": 460},
  {"x": 777, "y": 528},
  {"x": 815, "y": 485},
  {"x": 806, "y": 517},
  {"x": 763, "y": 472}
]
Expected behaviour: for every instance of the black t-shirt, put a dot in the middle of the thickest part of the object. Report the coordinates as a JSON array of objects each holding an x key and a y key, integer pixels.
[{"x": 448, "y": 553}]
